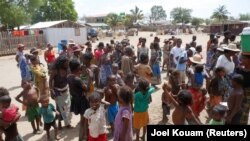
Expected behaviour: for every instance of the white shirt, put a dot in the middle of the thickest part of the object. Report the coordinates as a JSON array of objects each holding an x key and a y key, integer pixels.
[
  {"x": 96, "y": 121},
  {"x": 224, "y": 62},
  {"x": 176, "y": 52}
]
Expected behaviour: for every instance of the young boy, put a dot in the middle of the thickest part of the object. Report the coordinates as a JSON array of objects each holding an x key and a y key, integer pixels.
[
  {"x": 110, "y": 93},
  {"x": 47, "y": 111},
  {"x": 30, "y": 97},
  {"x": 218, "y": 116},
  {"x": 235, "y": 100},
  {"x": 119, "y": 80}
]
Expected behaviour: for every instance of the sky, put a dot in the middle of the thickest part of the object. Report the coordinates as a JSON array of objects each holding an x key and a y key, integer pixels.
[{"x": 201, "y": 8}]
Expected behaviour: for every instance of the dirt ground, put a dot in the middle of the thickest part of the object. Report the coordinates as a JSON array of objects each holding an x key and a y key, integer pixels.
[{"x": 10, "y": 78}]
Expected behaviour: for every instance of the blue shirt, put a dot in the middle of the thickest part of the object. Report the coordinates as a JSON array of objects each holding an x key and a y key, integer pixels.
[
  {"x": 141, "y": 100},
  {"x": 182, "y": 66},
  {"x": 48, "y": 113}
]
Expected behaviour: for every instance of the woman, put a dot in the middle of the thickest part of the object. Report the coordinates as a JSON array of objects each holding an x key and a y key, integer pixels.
[
  {"x": 49, "y": 56},
  {"x": 59, "y": 88}
]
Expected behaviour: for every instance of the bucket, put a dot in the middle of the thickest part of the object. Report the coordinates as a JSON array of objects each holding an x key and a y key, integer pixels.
[
  {"x": 59, "y": 48},
  {"x": 65, "y": 42},
  {"x": 245, "y": 41}
]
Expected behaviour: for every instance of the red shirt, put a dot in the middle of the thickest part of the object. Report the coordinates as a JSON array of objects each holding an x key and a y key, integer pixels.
[
  {"x": 50, "y": 56},
  {"x": 10, "y": 113}
]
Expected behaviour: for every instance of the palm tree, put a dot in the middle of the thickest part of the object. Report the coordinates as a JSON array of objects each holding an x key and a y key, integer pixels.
[
  {"x": 221, "y": 14},
  {"x": 136, "y": 14},
  {"x": 113, "y": 20}
]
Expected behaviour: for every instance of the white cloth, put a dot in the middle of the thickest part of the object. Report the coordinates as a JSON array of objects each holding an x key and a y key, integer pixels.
[
  {"x": 142, "y": 50},
  {"x": 176, "y": 52},
  {"x": 96, "y": 120},
  {"x": 224, "y": 62}
]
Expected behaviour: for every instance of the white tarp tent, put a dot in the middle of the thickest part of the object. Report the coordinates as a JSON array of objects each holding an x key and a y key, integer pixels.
[{"x": 55, "y": 31}]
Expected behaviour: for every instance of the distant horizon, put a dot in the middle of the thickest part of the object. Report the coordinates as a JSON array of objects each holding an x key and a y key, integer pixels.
[{"x": 200, "y": 9}]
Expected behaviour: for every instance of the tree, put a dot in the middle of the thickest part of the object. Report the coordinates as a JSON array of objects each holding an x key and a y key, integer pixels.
[
  {"x": 196, "y": 21},
  {"x": 136, "y": 14},
  {"x": 53, "y": 10},
  {"x": 112, "y": 20},
  {"x": 244, "y": 17},
  {"x": 220, "y": 13},
  {"x": 128, "y": 21},
  {"x": 157, "y": 13},
  {"x": 181, "y": 15}
]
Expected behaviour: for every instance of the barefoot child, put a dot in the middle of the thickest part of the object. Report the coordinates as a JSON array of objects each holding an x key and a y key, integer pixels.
[
  {"x": 123, "y": 120},
  {"x": 218, "y": 115},
  {"x": 95, "y": 118},
  {"x": 30, "y": 97},
  {"x": 165, "y": 108},
  {"x": 182, "y": 105},
  {"x": 110, "y": 93},
  {"x": 47, "y": 111},
  {"x": 141, "y": 104}
]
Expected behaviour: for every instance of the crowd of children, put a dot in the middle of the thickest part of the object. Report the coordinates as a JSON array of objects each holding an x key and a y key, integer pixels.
[{"x": 111, "y": 85}]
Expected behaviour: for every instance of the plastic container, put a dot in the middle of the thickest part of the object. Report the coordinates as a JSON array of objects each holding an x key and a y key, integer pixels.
[
  {"x": 59, "y": 48},
  {"x": 245, "y": 41},
  {"x": 65, "y": 42}
]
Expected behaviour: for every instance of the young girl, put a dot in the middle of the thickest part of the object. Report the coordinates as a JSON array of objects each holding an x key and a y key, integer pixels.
[
  {"x": 155, "y": 63},
  {"x": 95, "y": 118},
  {"x": 123, "y": 120},
  {"x": 47, "y": 111},
  {"x": 30, "y": 97},
  {"x": 182, "y": 105},
  {"x": 235, "y": 100},
  {"x": 141, "y": 104},
  {"x": 143, "y": 70}
]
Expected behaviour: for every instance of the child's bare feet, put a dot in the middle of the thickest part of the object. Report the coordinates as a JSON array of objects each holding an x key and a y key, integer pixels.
[
  {"x": 34, "y": 131},
  {"x": 57, "y": 137}
]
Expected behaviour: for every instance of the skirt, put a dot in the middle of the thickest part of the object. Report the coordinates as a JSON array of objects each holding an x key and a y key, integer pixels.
[{"x": 141, "y": 119}]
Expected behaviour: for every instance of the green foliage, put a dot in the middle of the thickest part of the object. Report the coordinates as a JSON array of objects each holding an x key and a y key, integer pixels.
[
  {"x": 53, "y": 10},
  {"x": 136, "y": 14},
  {"x": 181, "y": 15},
  {"x": 128, "y": 21},
  {"x": 244, "y": 17},
  {"x": 158, "y": 13},
  {"x": 197, "y": 21},
  {"x": 113, "y": 20},
  {"x": 220, "y": 13}
]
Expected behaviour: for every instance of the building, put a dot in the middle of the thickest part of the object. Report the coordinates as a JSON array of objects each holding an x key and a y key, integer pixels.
[
  {"x": 235, "y": 27},
  {"x": 97, "y": 25},
  {"x": 55, "y": 31},
  {"x": 96, "y": 18}
]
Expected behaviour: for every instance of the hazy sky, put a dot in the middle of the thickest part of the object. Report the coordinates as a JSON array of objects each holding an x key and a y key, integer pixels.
[{"x": 201, "y": 8}]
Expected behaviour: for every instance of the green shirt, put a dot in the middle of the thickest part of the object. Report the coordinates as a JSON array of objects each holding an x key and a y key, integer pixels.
[
  {"x": 48, "y": 113},
  {"x": 141, "y": 100},
  {"x": 214, "y": 122}
]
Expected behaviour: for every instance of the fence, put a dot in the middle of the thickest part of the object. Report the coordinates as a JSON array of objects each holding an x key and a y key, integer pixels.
[{"x": 8, "y": 43}]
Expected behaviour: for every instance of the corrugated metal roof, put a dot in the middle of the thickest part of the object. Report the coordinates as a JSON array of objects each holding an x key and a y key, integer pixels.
[
  {"x": 46, "y": 24},
  {"x": 96, "y": 24}
]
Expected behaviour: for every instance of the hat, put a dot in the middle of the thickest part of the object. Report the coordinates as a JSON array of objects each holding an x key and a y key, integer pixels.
[
  {"x": 49, "y": 45},
  {"x": 33, "y": 50},
  {"x": 231, "y": 47},
  {"x": 20, "y": 45},
  {"x": 71, "y": 42},
  {"x": 196, "y": 59},
  {"x": 76, "y": 48},
  {"x": 192, "y": 49}
]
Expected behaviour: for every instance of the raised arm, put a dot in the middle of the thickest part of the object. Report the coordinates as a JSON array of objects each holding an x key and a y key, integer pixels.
[{"x": 167, "y": 92}]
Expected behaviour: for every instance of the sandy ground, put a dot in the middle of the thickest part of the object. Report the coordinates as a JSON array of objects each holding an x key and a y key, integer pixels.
[{"x": 10, "y": 78}]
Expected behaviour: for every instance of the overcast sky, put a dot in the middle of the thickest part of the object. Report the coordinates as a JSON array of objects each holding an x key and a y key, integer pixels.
[{"x": 201, "y": 8}]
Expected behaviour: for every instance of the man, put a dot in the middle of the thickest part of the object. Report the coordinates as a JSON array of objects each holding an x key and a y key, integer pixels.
[{"x": 175, "y": 53}]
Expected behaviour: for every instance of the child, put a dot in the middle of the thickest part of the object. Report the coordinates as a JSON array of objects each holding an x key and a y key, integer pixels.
[
  {"x": 123, "y": 120},
  {"x": 10, "y": 116},
  {"x": 166, "y": 54},
  {"x": 182, "y": 105},
  {"x": 143, "y": 70},
  {"x": 95, "y": 118},
  {"x": 119, "y": 79},
  {"x": 141, "y": 104},
  {"x": 111, "y": 96},
  {"x": 235, "y": 100},
  {"x": 47, "y": 111},
  {"x": 127, "y": 62},
  {"x": 198, "y": 50},
  {"x": 174, "y": 81},
  {"x": 165, "y": 108},
  {"x": 30, "y": 97},
  {"x": 218, "y": 116},
  {"x": 155, "y": 63},
  {"x": 129, "y": 81}
]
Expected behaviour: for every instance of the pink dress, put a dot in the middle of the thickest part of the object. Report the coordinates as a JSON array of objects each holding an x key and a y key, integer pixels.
[{"x": 10, "y": 113}]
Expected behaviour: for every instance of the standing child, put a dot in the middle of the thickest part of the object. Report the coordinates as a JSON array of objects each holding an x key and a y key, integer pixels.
[
  {"x": 155, "y": 63},
  {"x": 95, "y": 118},
  {"x": 174, "y": 81},
  {"x": 165, "y": 108},
  {"x": 111, "y": 96},
  {"x": 235, "y": 100},
  {"x": 141, "y": 104},
  {"x": 47, "y": 111},
  {"x": 30, "y": 97},
  {"x": 143, "y": 70},
  {"x": 123, "y": 120},
  {"x": 218, "y": 115},
  {"x": 182, "y": 104},
  {"x": 198, "y": 50}
]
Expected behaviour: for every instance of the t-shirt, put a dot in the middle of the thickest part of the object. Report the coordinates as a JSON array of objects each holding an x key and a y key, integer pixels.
[
  {"x": 75, "y": 86},
  {"x": 224, "y": 62},
  {"x": 141, "y": 100},
  {"x": 176, "y": 52},
  {"x": 144, "y": 72},
  {"x": 9, "y": 113},
  {"x": 182, "y": 66},
  {"x": 126, "y": 64},
  {"x": 142, "y": 50},
  {"x": 47, "y": 113},
  {"x": 214, "y": 122},
  {"x": 96, "y": 121}
]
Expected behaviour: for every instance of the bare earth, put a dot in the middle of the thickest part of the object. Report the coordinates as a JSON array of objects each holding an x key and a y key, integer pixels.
[{"x": 10, "y": 79}]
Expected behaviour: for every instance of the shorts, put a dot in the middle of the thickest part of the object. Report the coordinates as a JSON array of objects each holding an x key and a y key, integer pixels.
[
  {"x": 47, "y": 126},
  {"x": 112, "y": 111},
  {"x": 102, "y": 137},
  {"x": 141, "y": 119},
  {"x": 32, "y": 112}
]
